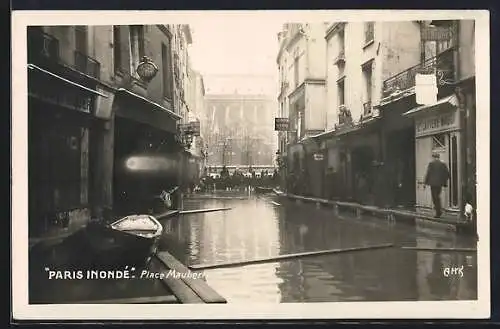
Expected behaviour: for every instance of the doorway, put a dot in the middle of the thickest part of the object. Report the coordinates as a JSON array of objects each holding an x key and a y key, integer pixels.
[
  {"x": 447, "y": 146},
  {"x": 401, "y": 162}
]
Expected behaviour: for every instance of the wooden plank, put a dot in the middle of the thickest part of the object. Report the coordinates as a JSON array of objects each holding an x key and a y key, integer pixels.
[
  {"x": 169, "y": 299},
  {"x": 182, "y": 292},
  {"x": 167, "y": 214},
  {"x": 198, "y": 285},
  {"x": 427, "y": 217},
  {"x": 195, "y": 211},
  {"x": 288, "y": 256},
  {"x": 375, "y": 209},
  {"x": 473, "y": 250}
]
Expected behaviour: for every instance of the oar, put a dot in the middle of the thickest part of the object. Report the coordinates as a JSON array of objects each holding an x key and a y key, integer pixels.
[
  {"x": 289, "y": 256},
  {"x": 441, "y": 249},
  {"x": 195, "y": 211}
]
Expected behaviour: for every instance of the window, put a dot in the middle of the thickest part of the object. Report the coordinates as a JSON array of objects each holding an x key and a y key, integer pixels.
[
  {"x": 367, "y": 77},
  {"x": 81, "y": 39},
  {"x": 136, "y": 45},
  {"x": 167, "y": 70},
  {"x": 117, "y": 54},
  {"x": 369, "y": 32},
  {"x": 438, "y": 141},
  {"x": 341, "y": 92},
  {"x": 341, "y": 40}
]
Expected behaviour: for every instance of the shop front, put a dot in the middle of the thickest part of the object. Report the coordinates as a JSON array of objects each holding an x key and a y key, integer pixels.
[
  {"x": 357, "y": 149},
  {"x": 296, "y": 166},
  {"x": 61, "y": 122},
  {"x": 437, "y": 130},
  {"x": 144, "y": 132},
  {"x": 334, "y": 170},
  {"x": 315, "y": 160}
]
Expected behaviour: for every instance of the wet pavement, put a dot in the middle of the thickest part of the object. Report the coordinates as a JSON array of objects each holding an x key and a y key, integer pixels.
[{"x": 266, "y": 226}]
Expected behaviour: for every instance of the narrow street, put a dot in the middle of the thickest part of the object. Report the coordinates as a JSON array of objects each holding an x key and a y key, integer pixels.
[
  {"x": 295, "y": 163},
  {"x": 265, "y": 226}
]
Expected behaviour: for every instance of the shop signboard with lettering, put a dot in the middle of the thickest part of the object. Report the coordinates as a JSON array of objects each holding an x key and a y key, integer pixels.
[
  {"x": 443, "y": 122},
  {"x": 281, "y": 124},
  {"x": 436, "y": 33}
]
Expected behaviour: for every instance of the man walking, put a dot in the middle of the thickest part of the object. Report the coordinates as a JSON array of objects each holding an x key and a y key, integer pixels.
[{"x": 436, "y": 177}]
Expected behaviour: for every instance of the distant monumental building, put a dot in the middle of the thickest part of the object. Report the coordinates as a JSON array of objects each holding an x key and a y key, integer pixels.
[{"x": 239, "y": 114}]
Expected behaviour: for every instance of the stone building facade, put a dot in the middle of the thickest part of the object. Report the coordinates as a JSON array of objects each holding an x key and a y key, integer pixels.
[{"x": 97, "y": 96}]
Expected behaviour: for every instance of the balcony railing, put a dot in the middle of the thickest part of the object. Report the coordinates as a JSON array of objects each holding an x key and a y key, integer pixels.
[
  {"x": 87, "y": 65},
  {"x": 42, "y": 46},
  {"x": 340, "y": 59},
  {"x": 442, "y": 65},
  {"x": 367, "y": 108}
]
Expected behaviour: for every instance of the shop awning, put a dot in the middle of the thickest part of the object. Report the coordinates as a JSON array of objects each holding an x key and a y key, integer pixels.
[
  {"x": 446, "y": 102},
  {"x": 143, "y": 110},
  {"x": 93, "y": 91}
]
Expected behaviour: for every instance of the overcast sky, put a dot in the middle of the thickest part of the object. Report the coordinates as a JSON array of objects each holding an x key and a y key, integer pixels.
[{"x": 221, "y": 47}]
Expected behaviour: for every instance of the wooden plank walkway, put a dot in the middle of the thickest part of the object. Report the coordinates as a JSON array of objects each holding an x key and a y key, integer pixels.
[
  {"x": 179, "y": 288},
  {"x": 186, "y": 288},
  {"x": 391, "y": 214}
]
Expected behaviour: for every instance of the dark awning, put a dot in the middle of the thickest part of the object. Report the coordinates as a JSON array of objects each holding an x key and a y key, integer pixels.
[
  {"x": 74, "y": 84},
  {"x": 52, "y": 88},
  {"x": 143, "y": 110}
]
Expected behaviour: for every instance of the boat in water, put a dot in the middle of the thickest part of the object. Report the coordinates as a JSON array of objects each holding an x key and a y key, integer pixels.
[{"x": 131, "y": 240}]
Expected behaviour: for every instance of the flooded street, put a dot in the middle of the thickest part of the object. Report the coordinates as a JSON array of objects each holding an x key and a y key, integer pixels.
[{"x": 266, "y": 226}]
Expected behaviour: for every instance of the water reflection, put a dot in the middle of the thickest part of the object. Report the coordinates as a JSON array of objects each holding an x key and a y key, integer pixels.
[{"x": 255, "y": 228}]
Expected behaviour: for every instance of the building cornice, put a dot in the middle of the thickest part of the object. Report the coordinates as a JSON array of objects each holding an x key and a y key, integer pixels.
[
  {"x": 165, "y": 30},
  {"x": 315, "y": 81},
  {"x": 294, "y": 39},
  {"x": 333, "y": 29},
  {"x": 297, "y": 90}
]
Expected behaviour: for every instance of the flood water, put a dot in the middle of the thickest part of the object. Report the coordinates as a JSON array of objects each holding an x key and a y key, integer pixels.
[{"x": 265, "y": 226}]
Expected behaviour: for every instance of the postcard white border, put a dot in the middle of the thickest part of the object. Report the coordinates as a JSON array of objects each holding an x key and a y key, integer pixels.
[{"x": 350, "y": 310}]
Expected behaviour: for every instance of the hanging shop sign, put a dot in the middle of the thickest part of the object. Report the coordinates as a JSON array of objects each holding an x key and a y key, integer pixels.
[
  {"x": 191, "y": 128},
  {"x": 195, "y": 128},
  {"x": 437, "y": 123},
  {"x": 281, "y": 124}
]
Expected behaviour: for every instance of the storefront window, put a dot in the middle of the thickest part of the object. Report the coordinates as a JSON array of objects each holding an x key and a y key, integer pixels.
[{"x": 438, "y": 141}]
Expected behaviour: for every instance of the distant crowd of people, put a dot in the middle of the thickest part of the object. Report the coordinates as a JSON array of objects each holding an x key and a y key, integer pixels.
[{"x": 238, "y": 180}]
